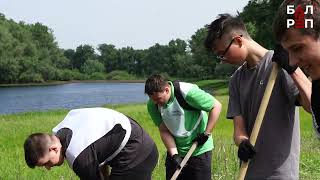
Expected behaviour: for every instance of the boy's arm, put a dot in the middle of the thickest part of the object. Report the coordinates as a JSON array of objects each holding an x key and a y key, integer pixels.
[
  {"x": 239, "y": 132},
  {"x": 86, "y": 165},
  {"x": 168, "y": 139},
  {"x": 165, "y": 134},
  {"x": 304, "y": 86},
  {"x": 213, "y": 116},
  {"x": 154, "y": 113},
  {"x": 206, "y": 102},
  {"x": 246, "y": 150}
]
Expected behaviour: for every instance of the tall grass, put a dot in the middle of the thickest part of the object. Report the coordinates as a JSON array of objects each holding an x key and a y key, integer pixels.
[{"x": 16, "y": 127}]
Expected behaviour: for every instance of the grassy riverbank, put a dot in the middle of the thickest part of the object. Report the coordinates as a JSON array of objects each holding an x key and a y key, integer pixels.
[{"x": 16, "y": 127}]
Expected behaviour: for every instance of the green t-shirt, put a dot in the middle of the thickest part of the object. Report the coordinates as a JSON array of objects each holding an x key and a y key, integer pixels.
[{"x": 197, "y": 98}]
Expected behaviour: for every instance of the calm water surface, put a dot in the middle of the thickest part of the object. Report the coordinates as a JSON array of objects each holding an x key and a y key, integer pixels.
[{"x": 74, "y": 95}]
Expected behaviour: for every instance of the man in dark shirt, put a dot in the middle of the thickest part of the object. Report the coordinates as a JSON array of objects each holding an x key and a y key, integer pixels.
[{"x": 92, "y": 138}]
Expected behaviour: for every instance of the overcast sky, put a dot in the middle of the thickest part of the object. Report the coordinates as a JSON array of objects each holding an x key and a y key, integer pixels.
[{"x": 136, "y": 23}]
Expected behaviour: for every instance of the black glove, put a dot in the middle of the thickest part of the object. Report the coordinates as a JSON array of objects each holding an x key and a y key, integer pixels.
[
  {"x": 281, "y": 57},
  {"x": 201, "y": 138},
  {"x": 246, "y": 151},
  {"x": 176, "y": 160}
]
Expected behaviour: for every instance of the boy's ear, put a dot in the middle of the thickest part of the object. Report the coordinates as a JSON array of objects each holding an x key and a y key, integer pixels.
[
  {"x": 53, "y": 148},
  {"x": 167, "y": 88},
  {"x": 239, "y": 40}
]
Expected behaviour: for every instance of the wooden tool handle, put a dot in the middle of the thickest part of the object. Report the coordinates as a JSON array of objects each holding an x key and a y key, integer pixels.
[
  {"x": 259, "y": 118},
  {"x": 184, "y": 161}
]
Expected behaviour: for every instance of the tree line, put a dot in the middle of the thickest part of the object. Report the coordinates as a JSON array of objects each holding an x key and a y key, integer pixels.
[{"x": 30, "y": 53}]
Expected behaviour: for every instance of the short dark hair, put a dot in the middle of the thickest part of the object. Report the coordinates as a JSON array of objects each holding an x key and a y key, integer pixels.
[
  {"x": 280, "y": 21},
  {"x": 155, "y": 83},
  {"x": 35, "y": 147},
  {"x": 224, "y": 24}
]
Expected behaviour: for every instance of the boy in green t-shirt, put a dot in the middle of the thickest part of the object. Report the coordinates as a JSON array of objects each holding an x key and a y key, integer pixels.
[{"x": 180, "y": 127}]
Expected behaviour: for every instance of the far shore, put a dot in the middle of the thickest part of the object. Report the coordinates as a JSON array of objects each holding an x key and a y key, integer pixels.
[{"x": 68, "y": 82}]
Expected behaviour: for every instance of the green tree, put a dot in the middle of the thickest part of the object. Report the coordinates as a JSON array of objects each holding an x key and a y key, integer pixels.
[
  {"x": 92, "y": 66},
  {"x": 260, "y": 13},
  {"x": 81, "y": 55},
  {"x": 28, "y": 52},
  {"x": 201, "y": 57},
  {"x": 176, "y": 50},
  {"x": 155, "y": 60},
  {"x": 9, "y": 70},
  {"x": 109, "y": 56},
  {"x": 42, "y": 36}
]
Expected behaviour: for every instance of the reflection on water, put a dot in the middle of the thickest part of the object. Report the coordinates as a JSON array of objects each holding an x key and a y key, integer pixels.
[{"x": 74, "y": 95}]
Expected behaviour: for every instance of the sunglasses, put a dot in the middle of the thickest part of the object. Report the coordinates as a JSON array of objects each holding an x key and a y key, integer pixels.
[{"x": 221, "y": 57}]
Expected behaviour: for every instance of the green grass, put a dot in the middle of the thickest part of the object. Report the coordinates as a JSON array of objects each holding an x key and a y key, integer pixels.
[
  {"x": 15, "y": 128},
  {"x": 218, "y": 87}
]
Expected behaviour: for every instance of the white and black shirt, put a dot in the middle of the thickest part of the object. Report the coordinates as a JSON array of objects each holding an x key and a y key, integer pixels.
[{"x": 86, "y": 163}]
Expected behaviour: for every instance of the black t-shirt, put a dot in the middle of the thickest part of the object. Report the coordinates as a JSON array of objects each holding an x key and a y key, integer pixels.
[
  {"x": 315, "y": 105},
  {"x": 86, "y": 165}
]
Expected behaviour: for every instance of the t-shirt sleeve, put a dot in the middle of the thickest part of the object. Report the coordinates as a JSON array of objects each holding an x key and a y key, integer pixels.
[
  {"x": 234, "y": 99},
  {"x": 200, "y": 99},
  {"x": 289, "y": 86},
  {"x": 154, "y": 113},
  {"x": 86, "y": 165}
]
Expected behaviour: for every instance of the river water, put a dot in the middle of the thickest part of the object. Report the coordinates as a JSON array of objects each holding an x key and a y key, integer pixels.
[{"x": 68, "y": 96}]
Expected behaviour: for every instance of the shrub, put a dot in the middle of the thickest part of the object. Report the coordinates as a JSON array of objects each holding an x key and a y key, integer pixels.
[
  {"x": 120, "y": 75},
  {"x": 92, "y": 66},
  {"x": 98, "y": 76},
  {"x": 29, "y": 76}
]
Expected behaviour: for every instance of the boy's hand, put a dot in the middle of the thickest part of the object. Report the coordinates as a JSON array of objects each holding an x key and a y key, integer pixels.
[
  {"x": 281, "y": 57},
  {"x": 246, "y": 151},
  {"x": 176, "y": 160},
  {"x": 201, "y": 138}
]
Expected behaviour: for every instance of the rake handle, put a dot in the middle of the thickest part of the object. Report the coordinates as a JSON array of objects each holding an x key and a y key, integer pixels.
[
  {"x": 259, "y": 118},
  {"x": 184, "y": 161}
]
